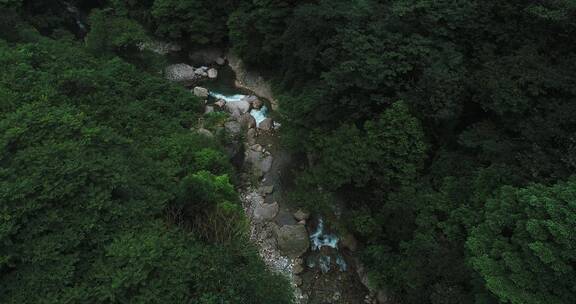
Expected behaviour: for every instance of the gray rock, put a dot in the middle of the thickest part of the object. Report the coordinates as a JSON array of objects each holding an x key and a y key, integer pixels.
[
  {"x": 260, "y": 162},
  {"x": 220, "y": 103},
  {"x": 205, "y": 132},
  {"x": 301, "y": 215},
  {"x": 349, "y": 241},
  {"x": 251, "y": 136},
  {"x": 233, "y": 128},
  {"x": 201, "y": 72},
  {"x": 292, "y": 240},
  {"x": 298, "y": 269},
  {"x": 180, "y": 72},
  {"x": 237, "y": 108},
  {"x": 265, "y": 190},
  {"x": 220, "y": 61},
  {"x": 298, "y": 281},
  {"x": 201, "y": 92},
  {"x": 208, "y": 109},
  {"x": 257, "y": 104},
  {"x": 266, "y": 125},
  {"x": 265, "y": 212},
  {"x": 250, "y": 98},
  {"x": 212, "y": 73},
  {"x": 247, "y": 121}
]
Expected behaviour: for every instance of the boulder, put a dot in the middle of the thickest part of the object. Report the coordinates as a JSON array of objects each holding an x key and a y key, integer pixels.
[
  {"x": 180, "y": 72},
  {"x": 298, "y": 269},
  {"x": 212, "y": 73},
  {"x": 349, "y": 242},
  {"x": 201, "y": 72},
  {"x": 251, "y": 136},
  {"x": 233, "y": 128},
  {"x": 250, "y": 98},
  {"x": 298, "y": 280},
  {"x": 266, "y": 125},
  {"x": 220, "y": 61},
  {"x": 208, "y": 109},
  {"x": 201, "y": 92},
  {"x": 301, "y": 215},
  {"x": 220, "y": 103},
  {"x": 205, "y": 132},
  {"x": 260, "y": 162},
  {"x": 292, "y": 240},
  {"x": 257, "y": 104},
  {"x": 247, "y": 121},
  {"x": 265, "y": 190},
  {"x": 237, "y": 108},
  {"x": 265, "y": 212}
]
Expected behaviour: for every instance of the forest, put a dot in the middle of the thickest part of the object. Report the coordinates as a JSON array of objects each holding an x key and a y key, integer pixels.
[{"x": 447, "y": 128}]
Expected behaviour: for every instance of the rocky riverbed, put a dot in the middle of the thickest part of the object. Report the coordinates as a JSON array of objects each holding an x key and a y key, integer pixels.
[{"x": 289, "y": 240}]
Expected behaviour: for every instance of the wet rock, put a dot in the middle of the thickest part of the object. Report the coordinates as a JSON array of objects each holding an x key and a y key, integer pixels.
[
  {"x": 220, "y": 103},
  {"x": 205, "y": 132},
  {"x": 298, "y": 280},
  {"x": 265, "y": 190},
  {"x": 180, "y": 72},
  {"x": 257, "y": 148},
  {"x": 266, "y": 125},
  {"x": 292, "y": 240},
  {"x": 201, "y": 92},
  {"x": 237, "y": 108},
  {"x": 301, "y": 215},
  {"x": 260, "y": 162},
  {"x": 233, "y": 128},
  {"x": 212, "y": 73},
  {"x": 201, "y": 72},
  {"x": 349, "y": 241},
  {"x": 298, "y": 269},
  {"x": 257, "y": 104},
  {"x": 247, "y": 121},
  {"x": 265, "y": 212},
  {"x": 251, "y": 136}
]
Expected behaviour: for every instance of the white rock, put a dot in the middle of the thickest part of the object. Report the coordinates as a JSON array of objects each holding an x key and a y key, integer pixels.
[
  {"x": 201, "y": 92},
  {"x": 180, "y": 72},
  {"x": 212, "y": 73}
]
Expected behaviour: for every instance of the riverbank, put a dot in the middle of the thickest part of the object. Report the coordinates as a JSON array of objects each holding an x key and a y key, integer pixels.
[{"x": 283, "y": 234}]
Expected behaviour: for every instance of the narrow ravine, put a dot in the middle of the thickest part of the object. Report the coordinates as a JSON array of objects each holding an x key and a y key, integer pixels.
[{"x": 289, "y": 240}]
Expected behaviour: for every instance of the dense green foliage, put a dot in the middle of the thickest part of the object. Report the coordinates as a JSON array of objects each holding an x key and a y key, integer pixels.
[
  {"x": 526, "y": 243},
  {"x": 445, "y": 126},
  {"x": 491, "y": 84},
  {"x": 106, "y": 195}
]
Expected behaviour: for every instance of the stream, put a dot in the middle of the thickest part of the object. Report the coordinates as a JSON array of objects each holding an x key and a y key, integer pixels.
[{"x": 324, "y": 273}]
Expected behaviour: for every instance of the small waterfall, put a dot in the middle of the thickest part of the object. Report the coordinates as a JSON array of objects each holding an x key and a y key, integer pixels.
[
  {"x": 259, "y": 115},
  {"x": 230, "y": 98},
  {"x": 319, "y": 238},
  {"x": 323, "y": 258}
]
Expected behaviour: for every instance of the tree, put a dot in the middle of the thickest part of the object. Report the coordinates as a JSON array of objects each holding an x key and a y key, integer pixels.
[{"x": 524, "y": 249}]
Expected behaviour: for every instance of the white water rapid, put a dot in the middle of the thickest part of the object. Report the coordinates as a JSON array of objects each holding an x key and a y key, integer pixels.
[
  {"x": 320, "y": 238},
  {"x": 259, "y": 115}
]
